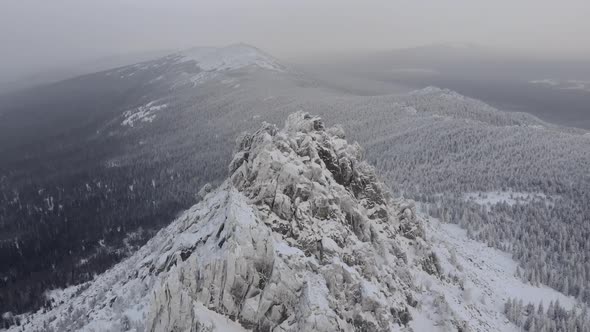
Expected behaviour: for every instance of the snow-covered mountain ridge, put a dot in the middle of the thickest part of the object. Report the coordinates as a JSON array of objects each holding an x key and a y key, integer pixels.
[
  {"x": 230, "y": 57},
  {"x": 301, "y": 237}
]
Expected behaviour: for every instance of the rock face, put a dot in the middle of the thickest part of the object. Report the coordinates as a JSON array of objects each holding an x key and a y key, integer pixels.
[
  {"x": 304, "y": 240},
  {"x": 301, "y": 237}
]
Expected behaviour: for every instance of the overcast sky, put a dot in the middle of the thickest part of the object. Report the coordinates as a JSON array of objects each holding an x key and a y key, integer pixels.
[{"x": 40, "y": 34}]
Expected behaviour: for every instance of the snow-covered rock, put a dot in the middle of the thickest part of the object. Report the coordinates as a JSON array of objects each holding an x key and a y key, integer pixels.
[
  {"x": 260, "y": 257},
  {"x": 302, "y": 236}
]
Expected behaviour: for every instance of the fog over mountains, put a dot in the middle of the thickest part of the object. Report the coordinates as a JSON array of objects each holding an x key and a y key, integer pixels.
[
  {"x": 553, "y": 89},
  {"x": 384, "y": 235}
]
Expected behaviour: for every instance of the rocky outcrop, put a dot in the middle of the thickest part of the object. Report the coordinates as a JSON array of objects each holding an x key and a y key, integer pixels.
[
  {"x": 301, "y": 237},
  {"x": 313, "y": 248}
]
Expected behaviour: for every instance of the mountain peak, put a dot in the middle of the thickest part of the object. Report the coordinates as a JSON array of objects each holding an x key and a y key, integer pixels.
[
  {"x": 234, "y": 56},
  {"x": 295, "y": 242},
  {"x": 301, "y": 237},
  {"x": 300, "y": 162}
]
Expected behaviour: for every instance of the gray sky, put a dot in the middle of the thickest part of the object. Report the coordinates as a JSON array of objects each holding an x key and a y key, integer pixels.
[{"x": 41, "y": 34}]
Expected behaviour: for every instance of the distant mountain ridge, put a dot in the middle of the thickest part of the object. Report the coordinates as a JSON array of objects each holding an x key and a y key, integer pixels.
[{"x": 231, "y": 57}]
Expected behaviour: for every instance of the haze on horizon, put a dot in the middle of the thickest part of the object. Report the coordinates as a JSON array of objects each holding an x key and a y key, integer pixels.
[{"x": 40, "y": 35}]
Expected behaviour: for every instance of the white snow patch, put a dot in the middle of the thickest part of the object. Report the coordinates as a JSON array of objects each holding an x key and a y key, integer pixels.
[
  {"x": 492, "y": 198},
  {"x": 159, "y": 78},
  {"x": 488, "y": 279},
  {"x": 143, "y": 113},
  {"x": 281, "y": 247},
  {"x": 112, "y": 163},
  {"x": 422, "y": 322},
  {"x": 230, "y": 57},
  {"x": 426, "y": 90},
  {"x": 444, "y": 93},
  {"x": 202, "y": 77},
  {"x": 317, "y": 293},
  {"x": 214, "y": 322},
  {"x": 498, "y": 267}
]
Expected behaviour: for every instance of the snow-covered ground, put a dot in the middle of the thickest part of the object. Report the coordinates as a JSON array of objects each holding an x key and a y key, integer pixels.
[
  {"x": 212, "y": 321},
  {"x": 230, "y": 57},
  {"x": 217, "y": 62},
  {"x": 145, "y": 113},
  {"x": 491, "y": 198},
  {"x": 479, "y": 280}
]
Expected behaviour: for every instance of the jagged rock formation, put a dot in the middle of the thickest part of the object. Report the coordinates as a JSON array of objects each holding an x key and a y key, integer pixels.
[
  {"x": 314, "y": 249},
  {"x": 301, "y": 237}
]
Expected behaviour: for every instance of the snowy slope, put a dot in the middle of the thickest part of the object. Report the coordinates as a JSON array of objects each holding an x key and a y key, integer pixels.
[
  {"x": 144, "y": 113},
  {"x": 486, "y": 279},
  {"x": 230, "y": 57}
]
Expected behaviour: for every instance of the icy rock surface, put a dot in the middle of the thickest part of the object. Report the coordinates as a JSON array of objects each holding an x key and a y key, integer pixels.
[
  {"x": 306, "y": 243},
  {"x": 301, "y": 237}
]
